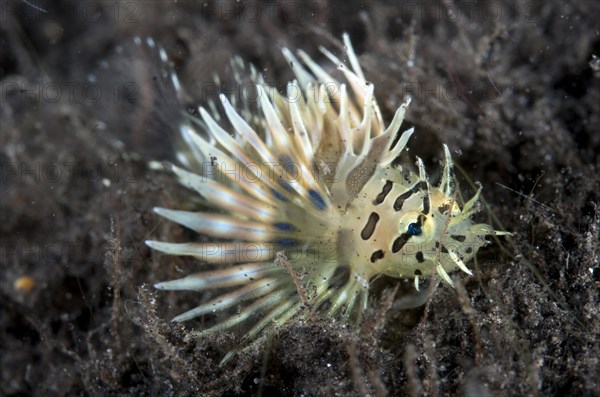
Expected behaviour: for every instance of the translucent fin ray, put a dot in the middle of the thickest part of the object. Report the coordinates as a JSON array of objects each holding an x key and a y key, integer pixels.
[
  {"x": 218, "y": 278},
  {"x": 218, "y": 252},
  {"x": 251, "y": 291}
]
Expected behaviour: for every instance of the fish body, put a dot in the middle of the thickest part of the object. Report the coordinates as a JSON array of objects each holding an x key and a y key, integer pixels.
[{"x": 307, "y": 202}]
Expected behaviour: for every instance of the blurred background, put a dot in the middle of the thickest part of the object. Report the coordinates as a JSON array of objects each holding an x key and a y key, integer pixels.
[{"x": 508, "y": 85}]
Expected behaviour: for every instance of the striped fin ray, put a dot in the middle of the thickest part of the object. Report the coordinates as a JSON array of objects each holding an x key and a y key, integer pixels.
[
  {"x": 352, "y": 56},
  {"x": 221, "y": 196},
  {"x": 223, "y": 226},
  {"x": 335, "y": 89},
  {"x": 264, "y": 303},
  {"x": 389, "y": 156},
  {"x": 277, "y": 315},
  {"x": 486, "y": 230},
  {"x": 355, "y": 139},
  {"x": 283, "y": 144},
  {"x": 360, "y": 90},
  {"x": 301, "y": 134},
  {"x": 321, "y": 75},
  {"x": 233, "y": 276},
  {"x": 345, "y": 296},
  {"x": 423, "y": 179},
  {"x": 281, "y": 138},
  {"x": 378, "y": 126},
  {"x": 459, "y": 263},
  {"x": 347, "y": 112},
  {"x": 356, "y": 133},
  {"x": 247, "y": 132},
  {"x": 443, "y": 274},
  {"x": 250, "y": 291},
  {"x": 226, "y": 141},
  {"x": 209, "y": 151},
  {"x": 219, "y": 252},
  {"x": 390, "y": 153},
  {"x": 302, "y": 75},
  {"x": 279, "y": 310},
  {"x": 285, "y": 150},
  {"x": 349, "y": 159},
  {"x": 192, "y": 156},
  {"x": 357, "y": 82},
  {"x": 288, "y": 309},
  {"x": 244, "y": 76},
  {"x": 304, "y": 146},
  {"x": 362, "y": 136},
  {"x": 352, "y": 106},
  {"x": 288, "y": 153},
  {"x": 470, "y": 208},
  {"x": 229, "y": 144},
  {"x": 347, "y": 119},
  {"x": 446, "y": 183},
  {"x": 239, "y": 174}
]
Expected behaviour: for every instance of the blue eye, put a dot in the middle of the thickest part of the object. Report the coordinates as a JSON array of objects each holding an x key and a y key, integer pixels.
[{"x": 414, "y": 229}]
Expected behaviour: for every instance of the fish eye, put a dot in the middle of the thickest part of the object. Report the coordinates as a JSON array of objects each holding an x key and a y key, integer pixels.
[{"x": 414, "y": 229}]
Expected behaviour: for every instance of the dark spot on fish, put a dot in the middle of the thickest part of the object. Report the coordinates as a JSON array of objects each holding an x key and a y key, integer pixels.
[
  {"x": 278, "y": 195},
  {"x": 377, "y": 255},
  {"x": 288, "y": 162},
  {"x": 400, "y": 200},
  {"x": 316, "y": 199},
  {"x": 426, "y": 204},
  {"x": 444, "y": 208},
  {"x": 384, "y": 192},
  {"x": 459, "y": 238},
  {"x": 286, "y": 242},
  {"x": 419, "y": 257},
  {"x": 369, "y": 228},
  {"x": 284, "y": 227},
  {"x": 340, "y": 277},
  {"x": 286, "y": 186},
  {"x": 399, "y": 243}
]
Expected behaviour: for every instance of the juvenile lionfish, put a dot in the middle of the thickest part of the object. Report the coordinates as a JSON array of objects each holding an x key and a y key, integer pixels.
[{"x": 308, "y": 202}]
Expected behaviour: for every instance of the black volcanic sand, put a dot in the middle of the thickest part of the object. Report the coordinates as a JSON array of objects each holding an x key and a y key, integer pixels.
[{"x": 510, "y": 88}]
